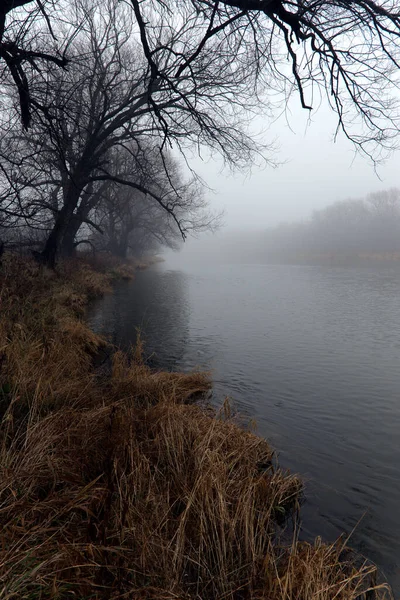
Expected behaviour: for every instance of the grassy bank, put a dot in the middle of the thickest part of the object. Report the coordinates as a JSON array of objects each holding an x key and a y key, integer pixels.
[{"x": 119, "y": 486}]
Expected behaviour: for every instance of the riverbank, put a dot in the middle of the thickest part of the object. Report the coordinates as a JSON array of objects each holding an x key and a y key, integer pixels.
[{"x": 118, "y": 486}]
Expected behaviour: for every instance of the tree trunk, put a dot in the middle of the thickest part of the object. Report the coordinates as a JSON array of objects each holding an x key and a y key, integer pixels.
[
  {"x": 122, "y": 247},
  {"x": 53, "y": 242},
  {"x": 88, "y": 201},
  {"x": 63, "y": 223},
  {"x": 67, "y": 246}
]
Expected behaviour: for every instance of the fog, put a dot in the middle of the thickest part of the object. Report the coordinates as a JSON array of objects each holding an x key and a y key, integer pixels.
[
  {"x": 353, "y": 231},
  {"x": 314, "y": 170}
]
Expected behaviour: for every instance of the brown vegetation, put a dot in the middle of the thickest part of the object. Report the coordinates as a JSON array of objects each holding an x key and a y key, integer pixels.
[{"x": 118, "y": 487}]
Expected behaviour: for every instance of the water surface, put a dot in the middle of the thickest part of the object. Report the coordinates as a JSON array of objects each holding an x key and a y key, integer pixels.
[{"x": 313, "y": 354}]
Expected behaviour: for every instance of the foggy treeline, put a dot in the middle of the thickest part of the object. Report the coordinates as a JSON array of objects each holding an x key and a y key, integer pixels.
[
  {"x": 347, "y": 231},
  {"x": 364, "y": 228}
]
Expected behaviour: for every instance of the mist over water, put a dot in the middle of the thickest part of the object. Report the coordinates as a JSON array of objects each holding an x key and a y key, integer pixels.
[
  {"x": 364, "y": 231},
  {"x": 312, "y": 353}
]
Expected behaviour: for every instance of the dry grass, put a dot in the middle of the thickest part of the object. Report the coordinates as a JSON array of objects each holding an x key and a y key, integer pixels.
[
  {"x": 114, "y": 267},
  {"x": 119, "y": 487}
]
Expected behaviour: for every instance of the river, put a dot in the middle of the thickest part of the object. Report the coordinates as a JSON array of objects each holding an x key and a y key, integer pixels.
[{"x": 313, "y": 354}]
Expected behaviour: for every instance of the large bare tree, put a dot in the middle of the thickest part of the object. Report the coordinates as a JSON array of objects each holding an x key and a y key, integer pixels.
[
  {"x": 101, "y": 103},
  {"x": 349, "y": 50}
]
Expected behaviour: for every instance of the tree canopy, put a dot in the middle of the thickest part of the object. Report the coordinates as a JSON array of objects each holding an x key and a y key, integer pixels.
[
  {"x": 95, "y": 132},
  {"x": 347, "y": 50}
]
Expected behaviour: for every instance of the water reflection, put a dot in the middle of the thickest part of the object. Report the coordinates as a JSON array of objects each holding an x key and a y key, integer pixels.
[
  {"x": 313, "y": 354},
  {"x": 154, "y": 304}
]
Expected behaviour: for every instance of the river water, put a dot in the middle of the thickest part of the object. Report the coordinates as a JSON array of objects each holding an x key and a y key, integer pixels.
[{"x": 313, "y": 354}]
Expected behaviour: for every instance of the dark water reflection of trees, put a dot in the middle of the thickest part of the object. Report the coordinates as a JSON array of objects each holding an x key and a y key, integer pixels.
[{"x": 156, "y": 307}]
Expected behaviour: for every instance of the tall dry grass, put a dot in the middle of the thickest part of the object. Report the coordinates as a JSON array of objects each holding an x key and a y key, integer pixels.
[{"x": 118, "y": 487}]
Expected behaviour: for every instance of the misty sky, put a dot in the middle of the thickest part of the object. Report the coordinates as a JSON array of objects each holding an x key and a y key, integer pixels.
[{"x": 316, "y": 172}]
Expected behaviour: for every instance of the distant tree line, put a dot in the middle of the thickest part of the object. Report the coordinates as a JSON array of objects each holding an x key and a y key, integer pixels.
[{"x": 356, "y": 228}]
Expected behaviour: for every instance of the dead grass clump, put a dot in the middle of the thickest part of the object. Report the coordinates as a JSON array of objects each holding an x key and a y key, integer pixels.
[
  {"x": 112, "y": 266},
  {"x": 321, "y": 571},
  {"x": 213, "y": 513},
  {"x": 164, "y": 502},
  {"x": 46, "y": 349},
  {"x": 93, "y": 282},
  {"x": 133, "y": 380},
  {"x": 124, "y": 270},
  {"x": 115, "y": 500}
]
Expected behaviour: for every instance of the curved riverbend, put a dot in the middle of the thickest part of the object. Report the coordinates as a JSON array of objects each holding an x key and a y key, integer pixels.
[{"x": 313, "y": 354}]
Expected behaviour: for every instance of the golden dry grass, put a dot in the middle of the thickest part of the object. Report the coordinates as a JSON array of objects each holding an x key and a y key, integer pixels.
[{"x": 118, "y": 487}]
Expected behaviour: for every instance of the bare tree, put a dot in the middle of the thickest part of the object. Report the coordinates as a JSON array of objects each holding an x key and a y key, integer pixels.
[
  {"x": 131, "y": 221},
  {"x": 27, "y": 41},
  {"x": 182, "y": 72},
  {"x": 103, "y": 102},
  {"x": 348, "y": 50},
  {"x": 385, "y": 203}
]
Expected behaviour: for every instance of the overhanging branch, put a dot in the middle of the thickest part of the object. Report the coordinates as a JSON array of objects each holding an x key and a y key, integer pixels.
[{"x": 146, "y": 192}]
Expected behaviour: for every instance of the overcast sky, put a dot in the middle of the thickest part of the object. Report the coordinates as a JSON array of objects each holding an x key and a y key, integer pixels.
[{"x": 316, "y": 172}]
